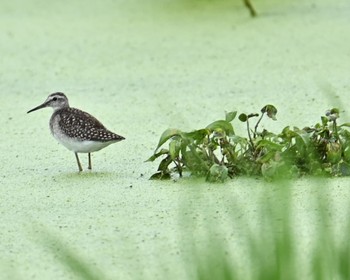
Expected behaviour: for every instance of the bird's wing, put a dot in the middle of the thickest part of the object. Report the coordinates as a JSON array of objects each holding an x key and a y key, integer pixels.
[{"x": 82, "y": 125}]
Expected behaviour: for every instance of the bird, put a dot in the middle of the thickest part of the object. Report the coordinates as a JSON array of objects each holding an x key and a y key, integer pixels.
[{"x": 75, "y": 129}]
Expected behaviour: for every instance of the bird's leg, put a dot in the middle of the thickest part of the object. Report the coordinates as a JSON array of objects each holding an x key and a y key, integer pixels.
[
  {"x": 90, "y": 167},
  {"x": 79, "y": 165}
]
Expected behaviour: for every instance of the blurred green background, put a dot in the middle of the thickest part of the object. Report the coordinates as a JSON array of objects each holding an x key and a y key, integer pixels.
[{"x": 141, "y": 67}]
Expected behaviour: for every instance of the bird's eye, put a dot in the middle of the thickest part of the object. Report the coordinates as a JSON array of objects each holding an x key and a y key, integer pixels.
[{"x": 54, "y": 99}]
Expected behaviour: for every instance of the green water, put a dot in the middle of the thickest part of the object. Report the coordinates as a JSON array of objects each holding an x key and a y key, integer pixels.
[{"x": 141, "y": 67}]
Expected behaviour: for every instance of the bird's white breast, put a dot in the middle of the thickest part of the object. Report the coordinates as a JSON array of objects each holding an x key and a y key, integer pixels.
[{"x": 74, "y": 144}]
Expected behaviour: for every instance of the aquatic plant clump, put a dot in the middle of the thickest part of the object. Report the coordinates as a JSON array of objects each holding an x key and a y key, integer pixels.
[{"x": 217, "y": 153}]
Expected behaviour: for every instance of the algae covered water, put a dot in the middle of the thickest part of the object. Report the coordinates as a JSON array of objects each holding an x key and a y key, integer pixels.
[{"x": 143, "y": 67}]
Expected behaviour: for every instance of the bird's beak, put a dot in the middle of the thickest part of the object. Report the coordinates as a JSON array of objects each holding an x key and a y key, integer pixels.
[{"x": 38, "y": 107}]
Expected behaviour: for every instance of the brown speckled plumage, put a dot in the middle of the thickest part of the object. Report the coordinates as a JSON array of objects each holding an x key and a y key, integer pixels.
[{"x": 78, "y": 124}]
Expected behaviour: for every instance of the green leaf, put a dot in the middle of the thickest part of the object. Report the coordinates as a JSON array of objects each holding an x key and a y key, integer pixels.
[
  {"x": 174, "y": 148},
  {"x": 230, "y": 116},
  {"x": 324, "y": 120},
  {"x": 287, "y": 132},
  {"x": 163, "y": 166},
  {"x": 220, "y": 125},
  {"x": 157, "y": 155},
  {"x": 167, "y": 134},
  {"x": 335, "y": 111},
  {"x": 345, "y": 124},
  {"x": 333, "y": 152},
  {"x": 332, "y": 114},
  {"x": 239, "y": 140},
  {"x": 346, "y": 154},
  {"x": 296, "y": 133},
  {"x": 160, "y": 176},
  {"x": 302, "y": 135},
  {"x": 269, "y": 145},
  {"x": 267, "y": 157},
  {"x": 217, "y": 173},
  {"x": 197, "y": 135},
  {"x": 243, "y": 117},
  {"x": 196, "y": 161},
  {"x": 270, "y": 110}
]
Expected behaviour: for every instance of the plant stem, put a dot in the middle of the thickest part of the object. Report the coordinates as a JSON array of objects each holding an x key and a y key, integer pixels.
[
  {"x": 178, "y": 166},
  {"x": 250, "y": 137},
  {"x": 257, "y": 124},
  {"x": 250, "y": 8},
  {"x": 335, "y": 129}
]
